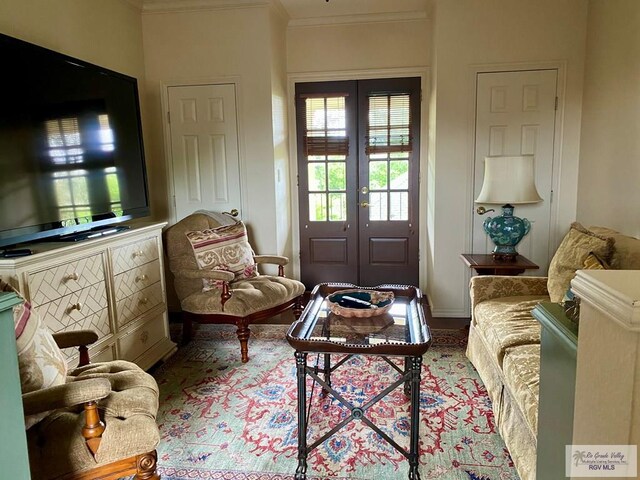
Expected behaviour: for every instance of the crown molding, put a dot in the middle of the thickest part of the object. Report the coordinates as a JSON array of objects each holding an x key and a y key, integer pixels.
[
  {"x": 167, "y": 6},
  {"x": 359, "y": 18}
]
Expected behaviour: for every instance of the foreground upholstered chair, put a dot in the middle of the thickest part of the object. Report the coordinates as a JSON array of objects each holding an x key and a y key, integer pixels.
[
  {"x": 232, "y": 293},
  {"x": 96, "y": 421}
]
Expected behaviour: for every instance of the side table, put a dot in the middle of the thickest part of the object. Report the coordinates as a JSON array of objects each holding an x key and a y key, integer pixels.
[
  {"x": 402, "y": 332},
  {"x": 485, "y": 264}
]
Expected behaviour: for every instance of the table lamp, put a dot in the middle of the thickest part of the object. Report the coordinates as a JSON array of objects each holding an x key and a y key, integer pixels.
[{"x": 508, "y": 181}]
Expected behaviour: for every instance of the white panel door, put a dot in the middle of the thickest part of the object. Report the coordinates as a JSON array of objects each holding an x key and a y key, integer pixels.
[
  {"x": 204, "y": 148},
  {"x": 515, "y": 114}
]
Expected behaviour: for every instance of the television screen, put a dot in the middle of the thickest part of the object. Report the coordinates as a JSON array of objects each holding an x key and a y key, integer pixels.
[{"x": 71, "y": 152}]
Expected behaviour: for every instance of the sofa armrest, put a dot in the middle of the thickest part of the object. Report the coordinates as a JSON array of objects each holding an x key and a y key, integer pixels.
[
  {"x": 66, "y": 395},
  {"x": 487, "y": 287}
]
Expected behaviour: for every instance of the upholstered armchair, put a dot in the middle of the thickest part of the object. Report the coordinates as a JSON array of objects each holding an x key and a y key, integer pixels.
[
  {"x": 96, "y": 421},
  {"x": 212, "y": 291}
]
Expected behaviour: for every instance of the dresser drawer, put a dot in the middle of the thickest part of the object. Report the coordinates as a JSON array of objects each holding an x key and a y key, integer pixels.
[
  {"x": 138, "y": 341},
  {"x": 133, "y": 255},
  {"x": 132, "y": 281},
  {"x": 85, "y": 309},
  {"x": 135, "y": 305},
  {"x": 57, "y": 281}
]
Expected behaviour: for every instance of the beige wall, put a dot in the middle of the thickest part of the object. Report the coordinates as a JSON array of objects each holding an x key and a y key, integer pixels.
[
  {"x": 470, "y": 34},
  {"x": 280, "y": 122},
  {"x": 107, "y": 33},
  {"x": 218, "y": 46},
  {"x": 330, "y": 48},
  {"x": 609, "y": 180}
]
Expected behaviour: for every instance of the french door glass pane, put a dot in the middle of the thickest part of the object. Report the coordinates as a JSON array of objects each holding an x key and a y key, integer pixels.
[
  {"x": 337, "y": 176},
  {"x": 317, "y": 207},
  {"x": 378, "y": 206},
  {"x": 337, "y": 207},
  {"x": 399, "y": 174},
  {"x": 399, "y": 206},
  {"x": 317, "y": 177},
  {"x": 378, "y": 175}
]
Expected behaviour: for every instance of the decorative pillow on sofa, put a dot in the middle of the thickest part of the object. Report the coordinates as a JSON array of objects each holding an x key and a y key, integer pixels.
[
  {"x": 592, "y": 262},
  {"x": 40, "y": 361},
  {"x": 574, "y": 249},
  {"x": 224, "y": 248}
]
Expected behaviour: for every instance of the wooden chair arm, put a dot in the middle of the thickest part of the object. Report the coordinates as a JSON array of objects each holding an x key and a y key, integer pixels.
[{"x": 75, "y": 338}]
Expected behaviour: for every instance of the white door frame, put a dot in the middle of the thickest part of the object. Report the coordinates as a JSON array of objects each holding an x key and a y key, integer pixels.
[
  {"x": 474, "y": 70},
  {"x": 164, "y": 101},
  {"x": 292, "y": 79}
]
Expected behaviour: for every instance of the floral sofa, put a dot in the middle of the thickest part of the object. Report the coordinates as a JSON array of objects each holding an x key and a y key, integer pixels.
[{"x": 504, "y": 338}]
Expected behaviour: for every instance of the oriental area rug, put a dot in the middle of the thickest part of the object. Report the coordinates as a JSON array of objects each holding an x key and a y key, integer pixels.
[{"x": 221, "y": 419}]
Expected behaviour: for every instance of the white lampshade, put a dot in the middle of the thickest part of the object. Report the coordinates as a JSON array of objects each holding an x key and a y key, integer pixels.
[{"x": 509, "y": 180}]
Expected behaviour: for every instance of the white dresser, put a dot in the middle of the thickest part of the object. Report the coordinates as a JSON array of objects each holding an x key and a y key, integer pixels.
[{"x": 113, "y": 285}]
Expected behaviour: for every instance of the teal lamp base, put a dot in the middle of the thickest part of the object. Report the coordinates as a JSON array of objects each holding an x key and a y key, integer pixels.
[{"x": 506, "y": 231}]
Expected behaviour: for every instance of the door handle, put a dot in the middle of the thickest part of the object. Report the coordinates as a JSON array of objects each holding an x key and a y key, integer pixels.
[
  {"x": 481, "y": 210},
  {"x": 364, "y": 204},
  {"x": 233, "y": 213}
]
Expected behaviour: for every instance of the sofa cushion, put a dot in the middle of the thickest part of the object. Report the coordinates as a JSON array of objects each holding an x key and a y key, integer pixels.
[
  {"x": 577, "y": 244},
  {"x": 507, "y": 322},
  {"x": 521, "y": 369},
  {"x": 626, "y": 249}
]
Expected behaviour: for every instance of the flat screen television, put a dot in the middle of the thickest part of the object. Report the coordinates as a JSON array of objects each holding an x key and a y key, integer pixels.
[{"x": 71, "y": 151}]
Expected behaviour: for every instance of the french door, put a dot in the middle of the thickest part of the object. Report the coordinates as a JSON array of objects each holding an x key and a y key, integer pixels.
[{"x": 358, "y": 174}]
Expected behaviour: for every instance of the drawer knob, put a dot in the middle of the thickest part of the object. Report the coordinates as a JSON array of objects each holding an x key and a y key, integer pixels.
[
  {"x": 144, "y": 300},
  {"x": 142, "y": 278},
  {"x": 71, "y": 276},
  {"x": 75, "y": 306},
  {"x": 138, "y": 253}
]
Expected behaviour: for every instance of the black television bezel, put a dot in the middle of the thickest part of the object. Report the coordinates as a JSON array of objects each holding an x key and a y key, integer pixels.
[{"x": 19, "y": 235}]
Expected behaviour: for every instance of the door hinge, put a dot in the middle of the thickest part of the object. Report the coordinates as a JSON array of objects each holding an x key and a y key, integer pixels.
[
  {"x": 551, "y": 197},
  {"x": 168, "y": 116},
  {"x": 556, "y": 105},
  {"x": 297, "y": 180}
]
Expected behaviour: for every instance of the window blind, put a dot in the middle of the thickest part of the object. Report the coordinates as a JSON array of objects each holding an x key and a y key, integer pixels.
[
  {"x": 389, "y": 124},
  {"x": 325, "y": 132}
]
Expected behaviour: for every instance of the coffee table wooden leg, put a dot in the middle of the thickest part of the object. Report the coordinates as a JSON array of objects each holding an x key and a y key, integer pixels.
[
  {"x": 414, "y": 448},
  {"x": 301, "y": 369}
]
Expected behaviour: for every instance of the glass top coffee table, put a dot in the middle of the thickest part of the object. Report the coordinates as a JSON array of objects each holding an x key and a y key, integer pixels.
[{"x": 400, "y": 332}]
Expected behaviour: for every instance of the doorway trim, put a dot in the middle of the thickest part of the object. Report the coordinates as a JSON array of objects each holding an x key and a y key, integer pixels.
[
  {"x": 164, "y": 114},
  {"x": 474, "y": 70},
  {"x": 292, "y": 79}
]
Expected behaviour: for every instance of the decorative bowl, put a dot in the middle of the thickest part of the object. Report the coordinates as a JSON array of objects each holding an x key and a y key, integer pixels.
[{"x": 360, "y": 303}]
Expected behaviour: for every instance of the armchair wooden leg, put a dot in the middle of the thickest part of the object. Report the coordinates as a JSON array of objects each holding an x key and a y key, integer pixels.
[
  {"x": 93, "y": 426},
  {"x": 243, "y": 333},
  {"x": 187, "y": 327},
  {"x": 146, "y": 467}
]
